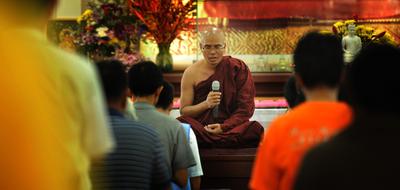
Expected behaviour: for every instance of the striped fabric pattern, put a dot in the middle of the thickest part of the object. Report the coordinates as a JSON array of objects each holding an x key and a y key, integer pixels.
[{"x": 138, "y": 162}]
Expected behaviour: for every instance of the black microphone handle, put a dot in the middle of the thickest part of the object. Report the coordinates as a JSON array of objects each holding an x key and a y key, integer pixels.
[{"x": 215, "y": 111}]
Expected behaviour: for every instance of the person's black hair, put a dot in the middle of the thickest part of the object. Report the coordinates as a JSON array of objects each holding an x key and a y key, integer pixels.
[
  {"x": 292, "y": 93},
  {"x": 318, "y": 60},
  {"x": 31, "y": 7},
  {"x": 373, "y": 79},
  {"x": 113, "y": 79},
  {"x": 144, "y": 78},
  {"x": 166, "y": 96}
]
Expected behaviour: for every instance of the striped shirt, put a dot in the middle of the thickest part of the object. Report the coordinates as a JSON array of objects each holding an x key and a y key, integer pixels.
[{"x": 138, "y": 162}]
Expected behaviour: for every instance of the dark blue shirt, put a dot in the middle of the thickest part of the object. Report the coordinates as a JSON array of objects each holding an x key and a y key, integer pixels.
[{"x": 138, "y": 162}]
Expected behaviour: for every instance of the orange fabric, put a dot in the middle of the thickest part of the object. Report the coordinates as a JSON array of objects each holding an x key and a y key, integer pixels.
[
  {"x": 48, "y": 133},
  {"x": 30, "y": 155},
  {"x": 288, "y": 139}
]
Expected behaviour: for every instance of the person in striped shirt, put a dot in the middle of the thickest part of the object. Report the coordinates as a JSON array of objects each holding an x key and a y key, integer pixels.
[{"x": 139, "y": 160}]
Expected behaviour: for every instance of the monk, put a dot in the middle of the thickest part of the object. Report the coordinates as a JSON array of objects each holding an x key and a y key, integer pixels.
[{"x": 230, "y": 127}]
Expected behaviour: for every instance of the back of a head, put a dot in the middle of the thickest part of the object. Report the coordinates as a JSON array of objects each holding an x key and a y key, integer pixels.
[
  {"x": 144, "y": 78},
  {"x": 318, "y": 60},
  {"x": 166, "y": 96},
  {"x": 32, "y": 8},
  {"x": 113, "y": 78},
  {"x": 373, "y": 79}
]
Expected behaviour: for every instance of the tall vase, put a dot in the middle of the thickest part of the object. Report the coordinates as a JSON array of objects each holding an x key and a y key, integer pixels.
[{"x": 164, "y": 58}]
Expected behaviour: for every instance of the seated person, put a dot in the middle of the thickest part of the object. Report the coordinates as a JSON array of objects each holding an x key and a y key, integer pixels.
[
  {"x": 129, "y": 166},
  {"x": 164, "y": 105},
  {"x": 292, "y": 92},
  {"x": 130, "y": 110},
  {"x": 229, "y": 126},
  {"x": 351, "y": 44},
  {"x": 362, "y": 156},
  {"x": 319, "y": 68},
  {"x": 146, "y": 83}
]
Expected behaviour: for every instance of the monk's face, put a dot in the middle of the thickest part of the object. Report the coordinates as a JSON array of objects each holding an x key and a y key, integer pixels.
[{"x": 213, "y": 48}]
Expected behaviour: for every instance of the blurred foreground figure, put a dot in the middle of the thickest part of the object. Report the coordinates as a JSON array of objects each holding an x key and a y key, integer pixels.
[
  {"x": 52, "y": 110},
  {"x": 319, "y": 66},
  {"x": 364, "y": 155}
]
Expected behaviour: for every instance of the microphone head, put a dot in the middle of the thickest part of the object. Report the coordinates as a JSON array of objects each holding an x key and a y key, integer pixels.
[{"x": 215, "y": 85}]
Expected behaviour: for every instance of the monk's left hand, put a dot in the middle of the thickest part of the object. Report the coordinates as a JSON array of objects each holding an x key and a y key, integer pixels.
[{"x": 214, "y": 128}]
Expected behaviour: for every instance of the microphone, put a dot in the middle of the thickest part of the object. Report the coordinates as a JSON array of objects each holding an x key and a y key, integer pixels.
[{"x": 215, "y": 87}]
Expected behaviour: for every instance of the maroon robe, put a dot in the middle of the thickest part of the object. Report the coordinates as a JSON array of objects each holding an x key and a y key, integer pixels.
[{"x": 235, "y": 110}]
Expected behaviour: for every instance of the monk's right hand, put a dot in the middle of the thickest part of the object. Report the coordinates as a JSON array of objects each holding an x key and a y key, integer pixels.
[{"x": 213, "y": 99}]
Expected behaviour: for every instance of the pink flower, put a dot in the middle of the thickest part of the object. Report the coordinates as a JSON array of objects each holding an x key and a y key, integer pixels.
[{"x": 128, "y": 59}]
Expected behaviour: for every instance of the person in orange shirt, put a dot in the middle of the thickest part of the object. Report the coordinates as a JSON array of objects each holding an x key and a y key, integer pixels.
[
  {"x": 363, "y": 155},
  {"x": 318, "y": 68}
]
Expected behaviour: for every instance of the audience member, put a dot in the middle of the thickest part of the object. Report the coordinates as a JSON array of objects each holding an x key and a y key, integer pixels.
[
  {"x": 55, "y": 110},
  {"x": 362, "y": 156},
  {"x": 164, "y": 105},
  {"x": 319, "y": 65},
  {"x": 292, "y": 92},
  {"x": 139, "y": 160},
  {"x": 146, "y": 83},
  {"x": 130, "y": 112}
]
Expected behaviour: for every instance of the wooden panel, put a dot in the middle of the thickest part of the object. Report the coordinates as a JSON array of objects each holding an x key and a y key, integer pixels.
[
  {"x": 267, "y": 84},
  {"x": 227, "y": 168}
]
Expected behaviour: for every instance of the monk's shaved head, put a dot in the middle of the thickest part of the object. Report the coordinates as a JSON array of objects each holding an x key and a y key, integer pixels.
[
  {"x": 213, "y": 34},
  {"x": 212, "y": 45}
]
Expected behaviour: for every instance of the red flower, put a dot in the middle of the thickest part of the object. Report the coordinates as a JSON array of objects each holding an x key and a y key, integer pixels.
[
  {"x": 108, "y": 8},
  {"x": 165, "y": 19}
]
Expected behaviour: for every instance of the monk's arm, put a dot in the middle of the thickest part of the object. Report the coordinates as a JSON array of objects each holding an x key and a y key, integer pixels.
[
  {"x": 245, "y": 100},
  {"x": 187, "y": 95}
]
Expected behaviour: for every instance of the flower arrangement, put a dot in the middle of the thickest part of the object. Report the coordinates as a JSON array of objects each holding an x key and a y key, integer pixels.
[
  {"x": 165, "y": 20},
  {"x": 367, "y": 34},
  {"x": 108, "y": 29}
]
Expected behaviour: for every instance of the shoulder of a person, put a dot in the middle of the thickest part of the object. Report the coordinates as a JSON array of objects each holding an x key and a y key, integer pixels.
[
  {"x": 73, "y": 62},
  {"x": 288, "y": 118},
  {"x": 279, "y": 124},
  {"x": 234, "y": 61},
  {"x": 337, "y": 144},
  {"x": 144, "y": 127},
  {"x": 284, "y": 123},
  {"x": 324, "y": 152},
  {"x": 235, "y": 64},
  {"x": 190, "y": 73},
  {"x": 169, "y": 121},
  {"x": 194, "y": 67},
  {"x": 134, "y": 125}
]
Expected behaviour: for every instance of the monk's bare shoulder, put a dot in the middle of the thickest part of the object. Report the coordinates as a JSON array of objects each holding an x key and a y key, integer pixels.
[
  {"x": 193, "y": 70},
  {"x": 189, "y": 75},
  {"x": 194, "y": 67}
]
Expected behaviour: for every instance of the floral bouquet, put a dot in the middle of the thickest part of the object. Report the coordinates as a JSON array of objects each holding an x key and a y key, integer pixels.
[
  {"x": 165, "y": 20},
  {"x": 367, "y": 34},
  {"x": 107, "y": 29}
]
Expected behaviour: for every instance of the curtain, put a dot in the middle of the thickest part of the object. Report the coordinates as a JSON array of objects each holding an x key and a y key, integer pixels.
[{"x": 314, "y": 9}]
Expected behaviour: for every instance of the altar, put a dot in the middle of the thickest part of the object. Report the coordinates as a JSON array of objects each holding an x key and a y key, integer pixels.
[{"x": 262, "y": 33}]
